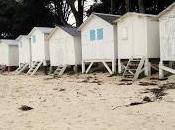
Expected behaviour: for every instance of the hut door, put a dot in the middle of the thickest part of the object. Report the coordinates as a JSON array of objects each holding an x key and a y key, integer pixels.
[{"x": 60, "y": 51}]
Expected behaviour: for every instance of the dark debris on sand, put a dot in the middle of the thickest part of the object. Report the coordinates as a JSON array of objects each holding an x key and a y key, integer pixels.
[
  {"x": 158, "y": 93},
  {"x": 25, "y": 108}
]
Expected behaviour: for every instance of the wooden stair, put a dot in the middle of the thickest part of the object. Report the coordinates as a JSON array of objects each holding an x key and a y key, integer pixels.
[
  {"x": 60, "y": 70},
  {"x": 21, "y": 68},
  {"x": 34, "y": 68},
  {"x": 133, "y": 69}
]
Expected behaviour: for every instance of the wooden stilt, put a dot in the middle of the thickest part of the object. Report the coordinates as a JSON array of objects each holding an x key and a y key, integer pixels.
[
  {"x": 83, "y": 67},
  {"x": 89, "y": 67},
  {"x": 119, "y": 66},
  {"x": 170, "y": 64},
  {"x": 107, "y": 67},
  {"x": 161, "y": 71},
  {"x": 50, "y": 69},
  {"x": 147, "y": 67},
  {"x": 114, "y": 66},
  {"x": 75, "y": 68},
  {"x": 9, "y": 68},
  {"x": 45, "y": 70}
]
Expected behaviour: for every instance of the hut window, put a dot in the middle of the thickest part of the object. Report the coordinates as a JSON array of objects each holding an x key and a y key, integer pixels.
[
  {"x": 100, "y": 34},
  {"x": 92, "y": 35},
  {"x": 124, "y": 33},
  {"x": 34, "y": 39}
]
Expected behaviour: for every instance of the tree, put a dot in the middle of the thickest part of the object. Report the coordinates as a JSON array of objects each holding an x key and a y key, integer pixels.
[
  {"x": 79, "y": 12},
  {"x": 61, "y": 11}
]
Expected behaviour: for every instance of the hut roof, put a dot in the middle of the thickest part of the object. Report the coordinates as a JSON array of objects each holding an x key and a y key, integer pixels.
[
  {"x": 70, "y": 30},
  {"x": 106, "y": 17},
  {"x": 136, "y": 14},
  {"x": 9, "y": 42},
  {"x": 45, "y": 30},
  {"x": 167, "y": 9}
]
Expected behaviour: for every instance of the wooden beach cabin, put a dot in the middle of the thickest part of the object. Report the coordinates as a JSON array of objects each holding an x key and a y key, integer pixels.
[
  {"x": 138, "y": 39},
  {"x": 99, "y": 41},
  {"x": 8, "y": 53},
  {"x": 65, "y": 48},
  {"x": 24, "y": 53},
  {"x": 39, "y": 48},
  {"x": 167, "y": 40}
]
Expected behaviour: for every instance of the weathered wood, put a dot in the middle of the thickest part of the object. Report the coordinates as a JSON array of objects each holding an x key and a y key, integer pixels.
[
  {"x": 89, "y": 67},
  {"x": 107, "y": 67}
]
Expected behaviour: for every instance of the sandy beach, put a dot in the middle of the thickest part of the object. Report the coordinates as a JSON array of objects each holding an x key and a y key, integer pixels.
[{"x": 82, "y": 102}]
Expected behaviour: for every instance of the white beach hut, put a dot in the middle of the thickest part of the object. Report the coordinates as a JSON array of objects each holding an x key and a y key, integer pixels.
[
  {"x": 8, "y": 53},
  {"x": 99, "y": 41},
  {"x": 39, "y": 48},
  {"x": 65, "y": 48},
  {"x": 24, "y": 53},
  {"x": 167, "y": 40},
  {"x": 138, "y": 37}
]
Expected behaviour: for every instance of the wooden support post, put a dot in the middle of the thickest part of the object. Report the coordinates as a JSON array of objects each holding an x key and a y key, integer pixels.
[
  {"x": 83, "y": 67},
  {"x": 119, "y": 66},
  {"x": 161, "y": 71},
  {"x": 45, "y": 70},
  {"x": 89, "y": 67},
  {"x": 107, "y": 67},
  {"x": 170, "y": 64},
  {"x": 50, "y": 69},
  {"x": 114, "y": 66},
  {"x": 9, "y": 69},
  {"x": 75, "y": 68},
  {"x": 147, "y": 67}
]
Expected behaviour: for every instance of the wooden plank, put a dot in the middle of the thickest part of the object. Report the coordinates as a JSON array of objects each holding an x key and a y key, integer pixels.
[
  {"x": 154, "y": 67},
  {"x": 98, "y": 60},
  {"x": 167, "y": 69},
  {"x": 63, "y": 70},
  {"x": 107, "y": 67},
  {"x": 89, "y": 67}
]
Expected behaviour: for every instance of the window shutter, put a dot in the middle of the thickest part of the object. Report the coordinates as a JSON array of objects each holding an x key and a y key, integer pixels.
[
  {"x": 100, "y": 34},
  {"x": 34, "y": 39},
  {"x": 92, "y": 35}
]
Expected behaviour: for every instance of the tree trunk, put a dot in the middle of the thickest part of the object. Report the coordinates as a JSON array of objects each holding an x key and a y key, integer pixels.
[
  {"x": 78, "y": 14},
  {"x": 127, "y": 5},
  {"x": 141, "y": 6}
]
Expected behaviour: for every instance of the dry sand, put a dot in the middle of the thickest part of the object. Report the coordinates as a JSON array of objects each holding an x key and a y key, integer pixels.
[{"x": 80, "y": 102}]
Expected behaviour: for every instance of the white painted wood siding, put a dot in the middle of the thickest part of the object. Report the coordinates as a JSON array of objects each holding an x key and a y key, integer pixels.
[
  {"x": 38, "y": 47},
  {"x": 8, "y": 55},
  {"x": 98, "y": 49},
  {"x": 167, "y": 36},
  {"x": 24, "y": 50},
  {"x": 64, "y": 49},
  {"x": 138, "y": 36}
]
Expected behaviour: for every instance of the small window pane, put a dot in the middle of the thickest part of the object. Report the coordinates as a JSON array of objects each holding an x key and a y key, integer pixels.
[
  {"x": 34, "y": 39},
  {"x": 100, "y": 34},
  {"x": 92, "y": 35}
]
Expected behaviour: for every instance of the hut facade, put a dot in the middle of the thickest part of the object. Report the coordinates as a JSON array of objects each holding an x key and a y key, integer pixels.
[
  {"x": 65, "y": 47},
  {"x": 9, "y": 53},
  {"x": 24, "y": 50},
  {"x": 138, "y": 37},
  {"x": 39, "y": 48},
  {"x": 167, "y": 40},
  {"x": 99, "y": 41}
]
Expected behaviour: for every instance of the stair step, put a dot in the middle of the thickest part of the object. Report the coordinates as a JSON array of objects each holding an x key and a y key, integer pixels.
[{"x": 133, "y": 68}]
